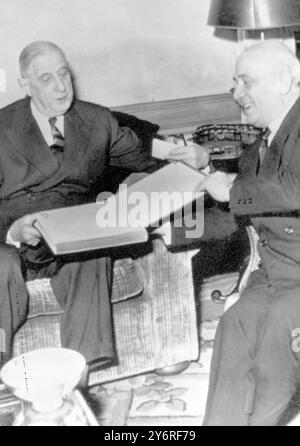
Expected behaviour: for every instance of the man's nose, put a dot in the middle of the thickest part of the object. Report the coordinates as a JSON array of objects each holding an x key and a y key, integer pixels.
[
  {"x": 60, "y": 84},
  {"x": 238, "y": 92}
]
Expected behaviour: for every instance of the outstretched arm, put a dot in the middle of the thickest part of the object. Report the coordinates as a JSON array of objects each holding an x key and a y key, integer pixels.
[{"x": 193, "y": 154}]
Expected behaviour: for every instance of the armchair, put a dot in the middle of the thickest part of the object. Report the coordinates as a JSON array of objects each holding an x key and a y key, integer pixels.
[{"x": 227, "y": 288}]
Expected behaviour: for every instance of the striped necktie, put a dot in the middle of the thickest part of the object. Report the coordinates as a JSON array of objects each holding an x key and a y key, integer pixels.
[
  {"x": 264, "y": 144},
  {"x": 58, "y": 139}
]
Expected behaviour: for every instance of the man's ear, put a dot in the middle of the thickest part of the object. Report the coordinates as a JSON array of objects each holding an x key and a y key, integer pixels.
[
  {"x": 296, "y": 77},
  {"x": 24, "y": 84},
  {"x": 286, "y": 82}
]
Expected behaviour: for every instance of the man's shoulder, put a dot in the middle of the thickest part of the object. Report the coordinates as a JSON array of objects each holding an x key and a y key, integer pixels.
[
  {"x": 8, "y": 112},
  {"x": 94, "y": 115},
  {"x": 91, "y": 108}
]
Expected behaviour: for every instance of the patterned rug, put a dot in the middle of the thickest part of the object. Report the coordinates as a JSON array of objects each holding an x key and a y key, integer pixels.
[
  {"x": 150, "y": 400},
  {"x": 153, "y": 400}
]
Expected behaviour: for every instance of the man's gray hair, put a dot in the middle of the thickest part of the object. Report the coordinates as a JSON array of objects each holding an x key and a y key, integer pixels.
[
  {"x": 278, "y": 52},
  {"x": 34, "y": 50}
]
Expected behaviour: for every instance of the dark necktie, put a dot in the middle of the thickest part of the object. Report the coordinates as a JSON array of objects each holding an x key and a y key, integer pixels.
[
  {"x": 264, "y": 144},
  {"x": 57, "y": 147}
]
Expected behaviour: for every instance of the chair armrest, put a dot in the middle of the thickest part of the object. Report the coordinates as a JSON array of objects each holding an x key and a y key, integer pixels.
[
  {"x": 252, "y": 265},
  {"x": 254, "y": 259}
]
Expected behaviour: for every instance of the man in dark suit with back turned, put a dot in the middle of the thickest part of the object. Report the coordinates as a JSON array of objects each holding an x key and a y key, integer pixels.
[
  {"x": 255, "y": 367},
  {"x": 54, "y": 152}
]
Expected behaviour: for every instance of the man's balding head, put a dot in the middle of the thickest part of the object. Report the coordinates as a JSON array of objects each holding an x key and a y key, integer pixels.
[
  {"x": 275, "y": 55},
  {"x": 266, "y": 81},
  {"x": 46, "y": 78},
  {"x": 35, "y": 49}
]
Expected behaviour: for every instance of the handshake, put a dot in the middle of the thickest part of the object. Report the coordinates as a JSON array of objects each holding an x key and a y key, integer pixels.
[{"x": 218, "y": 184}]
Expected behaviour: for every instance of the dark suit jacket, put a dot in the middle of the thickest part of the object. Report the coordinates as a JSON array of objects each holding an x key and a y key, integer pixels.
[
  {"x": 270, "y": 196},
  {"x": 30, "y": 176}
]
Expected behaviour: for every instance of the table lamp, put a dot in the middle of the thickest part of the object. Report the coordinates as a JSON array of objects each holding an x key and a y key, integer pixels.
[
  {"x": 250, "y": 15},
  {"x": 254, "y": 14}
]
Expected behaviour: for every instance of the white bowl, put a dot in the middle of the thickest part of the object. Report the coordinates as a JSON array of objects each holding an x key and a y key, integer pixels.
[{"x": 43, "y": 377}]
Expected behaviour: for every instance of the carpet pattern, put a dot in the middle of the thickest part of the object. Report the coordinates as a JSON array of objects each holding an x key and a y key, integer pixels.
[{"x": 154, "y": 400}]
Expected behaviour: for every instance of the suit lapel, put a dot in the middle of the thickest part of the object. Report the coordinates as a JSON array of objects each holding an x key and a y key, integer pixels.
[
  {"x": 249, "y": 161},
  {"x": 27, "y": 139},
  {"x": 274, "y": 152},
  {"x": 77, "y": 135}
]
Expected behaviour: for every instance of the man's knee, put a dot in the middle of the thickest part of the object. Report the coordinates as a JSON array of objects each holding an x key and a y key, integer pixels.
[
  {"x": 251, "y": 302},
  {"x": 286, "y": 309},
  {"x": 248, "y": 313}
]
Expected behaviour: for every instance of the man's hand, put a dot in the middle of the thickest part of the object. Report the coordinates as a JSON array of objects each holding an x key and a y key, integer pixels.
[
  {"x": 193, "y": 154},
  {"x": 22, "y": 231},
  {"x": 218, "y": 185}
]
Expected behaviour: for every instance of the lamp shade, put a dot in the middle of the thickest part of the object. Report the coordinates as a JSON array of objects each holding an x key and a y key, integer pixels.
[{"x": 254, "y": 14}]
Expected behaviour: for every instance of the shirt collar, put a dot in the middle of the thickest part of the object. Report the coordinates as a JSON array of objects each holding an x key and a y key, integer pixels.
[
  {"x": 274, "y": 126},
  {"x": 43, "y": 123}
]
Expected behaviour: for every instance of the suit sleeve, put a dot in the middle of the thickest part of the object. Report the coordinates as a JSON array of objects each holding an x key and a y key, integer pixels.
[
  {"x": 127, "y": 151},
  {"x": 5, "y": 220},
  {"x": 5, "y": 224}
]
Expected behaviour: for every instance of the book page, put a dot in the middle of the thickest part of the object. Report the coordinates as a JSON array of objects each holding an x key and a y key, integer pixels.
[{"x": 149, "y": 201}]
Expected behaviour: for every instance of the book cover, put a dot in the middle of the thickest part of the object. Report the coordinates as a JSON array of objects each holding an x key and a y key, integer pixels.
[
  {"x": 123, "y": 218},
  {"x": 75, "y": 229}
]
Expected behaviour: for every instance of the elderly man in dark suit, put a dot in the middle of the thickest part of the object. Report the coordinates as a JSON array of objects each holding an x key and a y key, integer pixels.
[
  {"x": 54, "y": 152},
  {"x": 255, "y": 367}
]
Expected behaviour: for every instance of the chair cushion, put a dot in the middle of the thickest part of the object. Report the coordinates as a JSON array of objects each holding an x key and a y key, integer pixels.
[
  {"x": 42, "y": 300},
  {"x": 126, "y": 284},
  {"x": 126, "y": 281},
  {"x": 38, "y": 332}
]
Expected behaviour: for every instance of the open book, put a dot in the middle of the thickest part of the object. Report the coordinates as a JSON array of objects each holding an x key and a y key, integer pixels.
[{"x": 124, "y": 218}]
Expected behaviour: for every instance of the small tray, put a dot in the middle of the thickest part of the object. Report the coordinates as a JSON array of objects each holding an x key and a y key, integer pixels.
[{"x": 216, "y": 133}]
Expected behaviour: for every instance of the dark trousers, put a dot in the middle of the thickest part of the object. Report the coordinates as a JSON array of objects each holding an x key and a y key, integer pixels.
[
  {"x": 13, "y": 299},
  {"x": 256, "y": 360},
  {"x": 82, "y": 285}
]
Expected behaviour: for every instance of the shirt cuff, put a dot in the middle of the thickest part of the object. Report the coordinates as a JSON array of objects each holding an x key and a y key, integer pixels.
[{"x": 11, "y": 241}]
